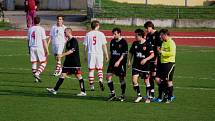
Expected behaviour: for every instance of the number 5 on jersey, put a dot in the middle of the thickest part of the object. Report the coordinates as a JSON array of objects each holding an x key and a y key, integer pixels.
[{"x": 94, "y": 40}]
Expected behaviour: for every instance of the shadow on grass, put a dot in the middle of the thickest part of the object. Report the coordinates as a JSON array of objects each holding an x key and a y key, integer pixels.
[{"x": 46, "y": 94}]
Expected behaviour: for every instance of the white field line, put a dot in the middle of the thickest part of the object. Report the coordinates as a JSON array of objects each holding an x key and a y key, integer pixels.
[
  {"x": 128, "y": 37},
  {"x": 13, "y": 55},
  {"x": 187, "y": 77}
]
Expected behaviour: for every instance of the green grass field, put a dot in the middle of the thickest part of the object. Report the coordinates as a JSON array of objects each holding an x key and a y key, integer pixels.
[
  {"x": 23, "y": 100},
  {"x": 111, "y": 9}
]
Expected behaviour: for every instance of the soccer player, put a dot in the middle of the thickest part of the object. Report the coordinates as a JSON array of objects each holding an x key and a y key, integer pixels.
[
  {"x": 117, "y": 63},
  {"x": 153, "y": 37},
  {"x": 95, "y": 45},
  {"x": 38, "y": 48},
  {"x": 168, "y": 53},
  {"x": 58, "y": 40},
  {"x": 71, "y": 64},
  {"x": 140, "y": 52}
]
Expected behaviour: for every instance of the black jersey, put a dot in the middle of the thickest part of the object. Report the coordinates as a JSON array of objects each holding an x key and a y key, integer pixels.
[
  {"x": 155, "y": 41},
  {"x": 73, "y": 59},
  {"x": 139, "y": 52},
  {"x": 117, "y": 49}
]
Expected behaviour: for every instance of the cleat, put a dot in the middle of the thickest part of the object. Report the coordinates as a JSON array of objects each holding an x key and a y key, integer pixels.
[
  {"x": 51, "y": 90},
  {"x": 101, "y": 86},
  {"x": 172, "y": 98},
  {"x": 112, "y": 97},
  {"x": 158, "y": 100},
  {"x": 147, "y": 101},
  {"x": 92, "y": 88},
  {"x": 37, "y": 78},
  {"x": 167, "y": 101},
  {"x": 122, "y": 98},
  {"x": 139, "y": 98},
  {"x": 82, "y": 94}
]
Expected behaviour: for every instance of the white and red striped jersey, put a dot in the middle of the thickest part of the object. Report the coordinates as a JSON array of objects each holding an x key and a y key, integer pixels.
[
  {"x": 36, "y": 36},
  {"x": 57, "y": 34},
  {"x": 94, "y": 41}
]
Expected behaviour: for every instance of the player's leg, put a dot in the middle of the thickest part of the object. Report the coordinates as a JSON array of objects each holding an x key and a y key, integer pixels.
[
  {"x": 170, "y": 81},
  {"x": 123, "y": 87},
  {"x": 28, "y": 19},
  {"x": 91, "y": 67},
  {"x": 34, "y": 59},
  {"x": 152, "y": 84},
  {"x": 99, "y": 66},
  {"x": 136, "y": 86},
  {"x": 43, "y": 62},
  {"x": 148, "y": 88},
  {"x": 111, "y": 87},
  {"x": 81, "y": 83},
  {"x": 58, "y": 50}
]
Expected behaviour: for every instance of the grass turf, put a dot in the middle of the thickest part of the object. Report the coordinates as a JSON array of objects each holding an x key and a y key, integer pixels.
[
  {"x": 111, "y": 9},
  {"x": 23, "y": 100}
]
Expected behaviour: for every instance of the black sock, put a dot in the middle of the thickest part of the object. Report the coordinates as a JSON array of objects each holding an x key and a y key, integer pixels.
[
  {"x": 123, "y": 86},
  {"x": 81, "y": 83},
  {"x": 148, "y": 90},
  {"x": 170, "y": 92},
  {"x": 137, "y": 89},
  {"x": 59, "y": 82},
  {"x": 111, "y": 87},
  {"x": 152, "y": 87},
  {"x": 160, "y": 90}
]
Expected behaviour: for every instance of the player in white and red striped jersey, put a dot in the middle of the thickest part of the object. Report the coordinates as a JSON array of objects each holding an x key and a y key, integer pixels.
[
  {"x": 58, "y": 40},
  {"x": 38, "y": 48},
  {"x": 95, "y": 45}
]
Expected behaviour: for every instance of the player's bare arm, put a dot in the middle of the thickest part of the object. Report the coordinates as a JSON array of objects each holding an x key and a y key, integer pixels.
[
  {"x": 104, "y": 47},
  {"x": 130, "y": 57},
  {"x": 45, "y": 45},
  {"x": 66, "y": 53},
  {"x": 85, "y": 53},
  {"x": 147, "y": 59}
]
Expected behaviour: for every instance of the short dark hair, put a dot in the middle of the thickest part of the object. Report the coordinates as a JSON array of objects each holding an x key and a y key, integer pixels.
[
  {"x": 60, "y": 15},
  {"x": 70, "y": 29},
  {"x": 164, "y": 31},
  {"x": 36, "y": 20},
  {"x": 94, "y": 24},
  {"x": 149, "y": 24},
  {"x": 140, "y": 32},
  {"x": 118, "y": 30}
]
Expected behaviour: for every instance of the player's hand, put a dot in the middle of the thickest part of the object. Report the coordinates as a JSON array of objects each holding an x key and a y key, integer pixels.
[
  {"x": 107, "y": 58},
  {"x": 143, "y": 61},
  {"x": 116, "y": 64},
  {"x": 129, "y": 64},
  {"x": 60, "y": 56}
]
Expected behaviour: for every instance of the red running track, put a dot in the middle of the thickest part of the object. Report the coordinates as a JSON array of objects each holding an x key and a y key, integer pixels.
[{"x": 188, "y": 38}]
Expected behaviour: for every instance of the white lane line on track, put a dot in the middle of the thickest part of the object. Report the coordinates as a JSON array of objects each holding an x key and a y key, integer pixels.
[
  {"x": 128, "y": 37},
  {"x": 187, "y": 88}
]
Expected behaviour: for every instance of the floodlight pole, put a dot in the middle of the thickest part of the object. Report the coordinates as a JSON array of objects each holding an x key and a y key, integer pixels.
[{"x": 186, "y": 3}]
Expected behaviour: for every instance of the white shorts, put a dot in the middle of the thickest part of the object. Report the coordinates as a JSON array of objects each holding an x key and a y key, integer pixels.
[
  {"x": 95, "y": 61},
  {"x": 57, "y": 48},
  {"x": 37, "y": 54}
]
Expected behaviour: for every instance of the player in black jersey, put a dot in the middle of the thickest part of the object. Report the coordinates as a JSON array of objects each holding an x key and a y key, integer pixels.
[
  {"x": 153, "y": 37},
  {"x": 117, "y": 63},
  {"x": 140, "y": 52},
  {"x": 71, "y": 64}
]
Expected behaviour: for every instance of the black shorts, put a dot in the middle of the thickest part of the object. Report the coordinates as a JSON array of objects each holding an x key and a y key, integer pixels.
[
  {"x": 142, "y": 74},
  {"x": 166, "y": 71},
  {"x": 71, "y": 70},
  {"x": 118, "y": 71}
]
